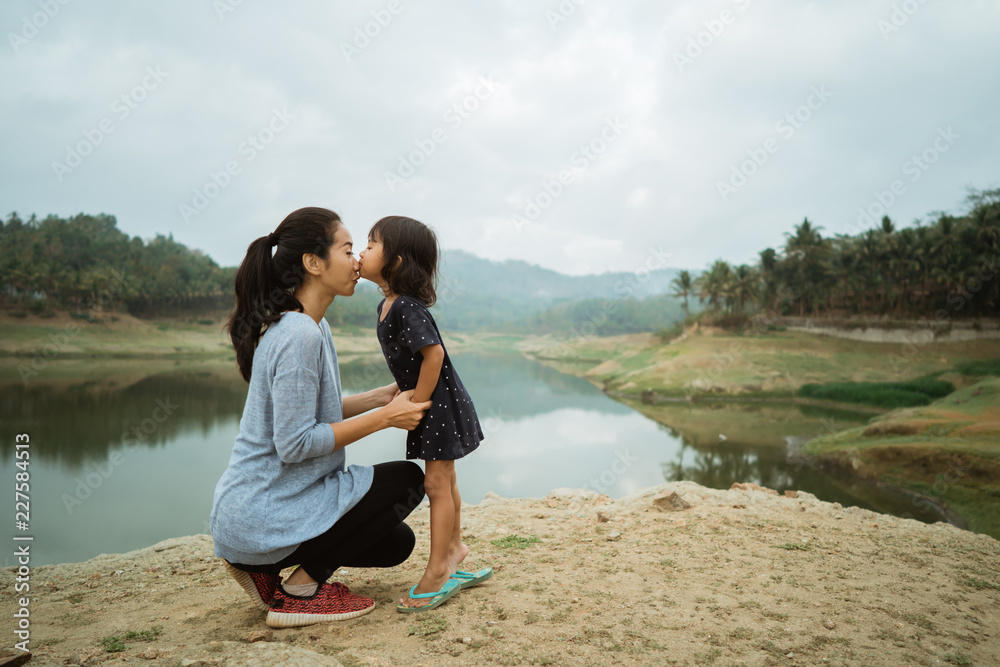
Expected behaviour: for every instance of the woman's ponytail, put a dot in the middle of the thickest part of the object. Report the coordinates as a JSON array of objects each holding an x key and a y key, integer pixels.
[{"x": 265, "y": 284}]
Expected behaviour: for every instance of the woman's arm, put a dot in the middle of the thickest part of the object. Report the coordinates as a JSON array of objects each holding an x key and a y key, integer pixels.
[
  {"x": 402, "y": 412},
  {"x": 369, "y": 400},
  {"x": 430, "y": 371}
]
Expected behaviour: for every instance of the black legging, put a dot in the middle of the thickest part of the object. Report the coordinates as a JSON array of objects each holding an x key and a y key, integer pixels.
[{"x": 371, "y": 534}]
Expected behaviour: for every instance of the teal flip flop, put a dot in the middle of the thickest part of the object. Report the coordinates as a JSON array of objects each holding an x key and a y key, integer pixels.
[
  {"x": 470, "y": 579},
  {"x": 450, "y": 587}
]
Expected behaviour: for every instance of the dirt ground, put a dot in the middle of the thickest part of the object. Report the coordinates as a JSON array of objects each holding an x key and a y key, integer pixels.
[{"x": 742, "y": 577}]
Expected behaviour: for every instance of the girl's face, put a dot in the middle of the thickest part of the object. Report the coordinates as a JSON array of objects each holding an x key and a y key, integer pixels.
[{"x": 370, "y": 261}]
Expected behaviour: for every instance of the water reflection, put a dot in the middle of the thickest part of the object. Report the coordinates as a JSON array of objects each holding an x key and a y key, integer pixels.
[
  {"x": 720, "y": 465},
  {"x": 85, "y": 421},
  {"x": 122, "y": 460},
  {"x": 503, "y": 381}
]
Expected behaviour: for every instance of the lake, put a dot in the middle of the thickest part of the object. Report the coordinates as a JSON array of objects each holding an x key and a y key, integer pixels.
[{"x": 127, "y": 456}]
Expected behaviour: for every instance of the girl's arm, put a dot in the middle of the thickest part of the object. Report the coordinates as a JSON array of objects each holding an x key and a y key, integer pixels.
[
  {"x": 369, "y": 400},
  {"x": 403, "y": 412},
  {"x": 430, "y": 371}
]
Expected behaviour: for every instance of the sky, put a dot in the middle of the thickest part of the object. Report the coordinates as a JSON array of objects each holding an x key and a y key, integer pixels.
[{"x": 581, "y": 136}]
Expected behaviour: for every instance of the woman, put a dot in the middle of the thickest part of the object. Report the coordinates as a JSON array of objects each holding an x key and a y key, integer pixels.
[{"x": 287, "y": 497}]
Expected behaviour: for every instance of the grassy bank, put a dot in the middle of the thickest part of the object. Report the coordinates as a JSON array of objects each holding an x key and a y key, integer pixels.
[
  {"x": 121, "y": 336},
  {"x": 920, "y": 391},
  {"x": 119, "y": 350},
  {"x": 776, "y": 364},
  {"x": 111, "y": 335},
  {"x": 947, "y": 452}
]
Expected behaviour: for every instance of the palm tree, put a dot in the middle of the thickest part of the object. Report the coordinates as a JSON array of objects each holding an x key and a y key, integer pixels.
[
  {"x": 869, "y": 255},
  {"x": 843, "y": 269},
  {"x": 714, "y": 283},
  {"x": 886, "y": 250},
  {"x": 805, "y": 256},
  {"x": 745, "y": 285},
  {"x": 904, "y": 266},
  {"x": 987, "y": 225},
  {"x": 683, "y": 286},
  {"x": 769, "y": 275}
]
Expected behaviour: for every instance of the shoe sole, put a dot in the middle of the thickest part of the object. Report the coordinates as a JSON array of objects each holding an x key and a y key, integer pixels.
[
  {"x": 277, "y": 619},
  {"x": 246, "y": 582}
]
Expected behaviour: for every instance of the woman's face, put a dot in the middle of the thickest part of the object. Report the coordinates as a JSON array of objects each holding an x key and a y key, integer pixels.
[{"x": 340, "y": 273}]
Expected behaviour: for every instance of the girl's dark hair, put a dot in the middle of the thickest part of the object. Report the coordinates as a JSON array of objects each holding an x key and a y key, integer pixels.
[
  {"x": 416, "y": 246},
  {"x": 264, "y": 284}
]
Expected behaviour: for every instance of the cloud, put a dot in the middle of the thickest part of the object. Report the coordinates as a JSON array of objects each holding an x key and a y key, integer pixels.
[{"x": 422, "y": 70}]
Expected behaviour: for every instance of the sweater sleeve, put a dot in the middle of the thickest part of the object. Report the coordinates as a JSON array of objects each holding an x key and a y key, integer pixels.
[{"x": 295, "y": 391}]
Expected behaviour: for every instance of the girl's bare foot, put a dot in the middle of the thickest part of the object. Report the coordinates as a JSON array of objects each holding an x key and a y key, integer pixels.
[
  {"x": 456, "y": 557},
  {"x": 431, "y": 582},
  {"x": 428, "y": 584}
]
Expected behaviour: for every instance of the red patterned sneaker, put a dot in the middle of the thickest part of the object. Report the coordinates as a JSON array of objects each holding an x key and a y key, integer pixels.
[
  {"x": 330, "y": 602},
  {"x": 259, "y": 586}
]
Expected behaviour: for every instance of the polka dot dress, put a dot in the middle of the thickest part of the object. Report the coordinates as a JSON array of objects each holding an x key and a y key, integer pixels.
[{"x": 450, "y": 429}]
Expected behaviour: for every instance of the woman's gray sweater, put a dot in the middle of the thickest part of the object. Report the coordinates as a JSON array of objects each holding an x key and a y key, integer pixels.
[{"x": 285, "y": 484}]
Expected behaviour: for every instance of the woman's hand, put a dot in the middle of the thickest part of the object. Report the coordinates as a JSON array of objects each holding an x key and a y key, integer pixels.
[
  {"x": 388, "y": 392},
  {"x": 357, "y": 404},
  {"x": 402, "y": 413},
  {"x": 384, "y": 395}
]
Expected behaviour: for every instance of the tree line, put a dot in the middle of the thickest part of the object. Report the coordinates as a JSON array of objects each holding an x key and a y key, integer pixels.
[
  {"x": 951, "y": 264},
  {"x": 85, "y": 261},
  {"x": 948, "y": 264}
]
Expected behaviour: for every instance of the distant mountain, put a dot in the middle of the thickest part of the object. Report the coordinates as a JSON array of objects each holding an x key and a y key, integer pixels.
[
  {"x": 520, "y": 281},
  {"x": 513, "y": 295}
]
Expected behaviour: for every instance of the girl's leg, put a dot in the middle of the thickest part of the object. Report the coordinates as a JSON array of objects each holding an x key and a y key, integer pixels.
[
  {"x": 438, "y": 485},
  {"x": 457, "y": 550}
]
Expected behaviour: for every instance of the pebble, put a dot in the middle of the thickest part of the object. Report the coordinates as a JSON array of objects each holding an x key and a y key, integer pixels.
[
  {"x": 790, "y": 654},
  {"x": 829, "y": 624},
  {"x": 467, "y": 640},
  {"x": 613, "y": 535}
]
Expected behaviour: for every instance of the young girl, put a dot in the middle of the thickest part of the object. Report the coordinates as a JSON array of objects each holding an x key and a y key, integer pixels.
[{"x": 401, "y": 258}]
